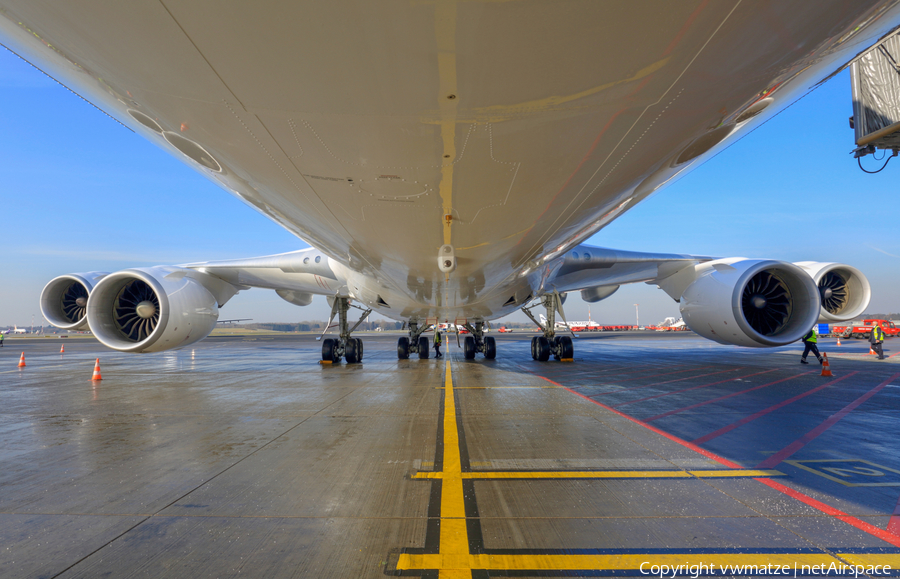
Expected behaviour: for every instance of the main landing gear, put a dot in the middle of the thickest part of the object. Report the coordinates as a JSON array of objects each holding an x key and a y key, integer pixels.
[
  {"x": 549, "y": 344},
  {"x": 477, "y": 342},
  {"x": 347, "y": 347},
  {"x": 416, "y": 343}
]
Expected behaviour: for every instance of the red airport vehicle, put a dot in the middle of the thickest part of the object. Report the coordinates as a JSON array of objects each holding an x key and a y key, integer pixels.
[
  {"x": 504, "y": 330},
  {"x": 862, "y": 330}
]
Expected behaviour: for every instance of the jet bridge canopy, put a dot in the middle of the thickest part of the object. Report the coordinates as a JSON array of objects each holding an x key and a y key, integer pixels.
[{"x": 875, "y": 78}]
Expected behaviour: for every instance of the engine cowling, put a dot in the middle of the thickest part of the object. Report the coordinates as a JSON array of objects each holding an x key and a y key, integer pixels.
[
  {"x": 151, "y": 309},
  {"x": 844, "y": 290},
  {"x": 758, "y": 303},
  {"x": 64, "y": 299}
]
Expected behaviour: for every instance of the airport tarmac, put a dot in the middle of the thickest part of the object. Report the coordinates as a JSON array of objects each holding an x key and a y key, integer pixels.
[{"x": 246, "y": 457}]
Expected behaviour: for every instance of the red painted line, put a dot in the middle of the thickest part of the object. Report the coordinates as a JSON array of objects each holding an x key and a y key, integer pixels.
[
  {"x": 793, "y": 447},
  {"x": 762, "y": 413},
  {"x": 666, "y": 382},
  {"x": 720, "y": 398},
  {"x": 892, "y": 355},
  {"x": 690, "y": 388},
  {"x": 673, "y": 438},
  {"x": 818, "y": 505},
  {"x": 829, "y": 510},
  {"x": 894, "y": 523}
]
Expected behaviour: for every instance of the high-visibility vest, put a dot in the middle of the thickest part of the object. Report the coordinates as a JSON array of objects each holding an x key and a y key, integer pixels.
[
  {"x": 437, "y": 338},
  {"x": 878, "y": 333},
  {"x": 811, "y": 337}
]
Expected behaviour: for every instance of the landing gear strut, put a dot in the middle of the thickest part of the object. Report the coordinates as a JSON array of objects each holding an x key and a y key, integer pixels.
[
  {"x": 416, "y": 343},
  {"x": 542, "y": 347},
  {"x": 477, "y": 342},
  {"x": 347, "y": 347}
]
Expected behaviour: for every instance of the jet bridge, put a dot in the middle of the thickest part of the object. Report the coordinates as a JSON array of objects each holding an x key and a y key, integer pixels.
[{"x": 875, "y": 77}]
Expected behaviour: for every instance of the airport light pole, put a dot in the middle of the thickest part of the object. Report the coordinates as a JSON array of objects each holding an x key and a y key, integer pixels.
[{"x": 637, "y": 319}]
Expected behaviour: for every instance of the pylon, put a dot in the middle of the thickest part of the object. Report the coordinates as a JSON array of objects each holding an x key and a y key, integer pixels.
[
  {"x": 62, "y": 349},
  {"x": 872, "y": 352},
  {"x": 97, "y": 375},
  {"x": 839, "y": 342},
  {"x": 826, "y": 368},
  {"x": 22, "y": 360}
]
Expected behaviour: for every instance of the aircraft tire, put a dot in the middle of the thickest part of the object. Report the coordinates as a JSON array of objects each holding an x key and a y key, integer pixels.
[
  {"x": 403, "y": 348},
  {"x": 351, "y": 351},
  {"x": 566, "y": 347},
  {"x": 469, "y": 348},
  {"x": 543, "y": 349},
  {"x": 490, "y": 348},
  {"x": 423, "y": 348},
  {"x": 328, "y": 350},
  {"x": 359, "y": 349}
]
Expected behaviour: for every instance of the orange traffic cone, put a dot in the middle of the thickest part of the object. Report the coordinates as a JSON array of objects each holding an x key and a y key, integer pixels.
[
  {"x": 839, "y": 341},
  {"x": 871, "y": 352},
  {"x": 826, "y": 368},
  {"x": 22, "y": 360},
  {"x": 97, "y": 375},
  {"x": 62, "y": 349}
]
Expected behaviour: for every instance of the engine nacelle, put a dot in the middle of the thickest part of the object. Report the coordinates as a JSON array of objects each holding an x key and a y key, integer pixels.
[
  {"x": 151, "y": 309},
  {"x": 844, "y": 290},
  {"x": 64, "y": 299},
  {"x": 745, "y": 302}
]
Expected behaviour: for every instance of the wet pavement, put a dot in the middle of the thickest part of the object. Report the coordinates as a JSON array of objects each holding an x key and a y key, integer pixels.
[{"x": 245, "y": 456}]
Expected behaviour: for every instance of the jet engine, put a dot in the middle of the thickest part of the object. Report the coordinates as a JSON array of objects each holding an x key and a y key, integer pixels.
[
  {"x": 64, "y": 299},
  {"x": 844, "y": 290},
  {"x": 747, "y": 302},
  {"x": 154, "y": 309}
]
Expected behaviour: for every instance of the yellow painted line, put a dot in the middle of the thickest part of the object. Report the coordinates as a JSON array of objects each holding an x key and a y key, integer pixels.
[
  {"x": 867, "y": 559},
  {"x": 454, "y": 544},
  {"x": 633, "y": 561},
  {"x": 606, "y": 474}
]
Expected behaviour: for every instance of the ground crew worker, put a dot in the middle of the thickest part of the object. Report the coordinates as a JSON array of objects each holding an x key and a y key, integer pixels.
[
  {"x": 1, "y": 340},
  {"x": 437, "y": 344},
  {"x": 809, "y": 345},
  {"x": 876, "y": 338}
]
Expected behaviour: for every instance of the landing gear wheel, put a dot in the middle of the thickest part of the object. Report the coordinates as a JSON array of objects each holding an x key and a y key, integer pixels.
[
  {"x": 351, "y": 351},
  {"x": 566, "y": 348},
  {"x": 534, "y": 352},
  {"x": 469, "y": 348},
  {"x": 555, "y": 347},
  {"x": 359, "y": 349},
  {"x": 423, "y": 348},
  {"x": 543, "y": 349},
  {"x": 490, "y": 348},
  {"x": 403, "y": 348},
  {"x": 328, "y": 350}
]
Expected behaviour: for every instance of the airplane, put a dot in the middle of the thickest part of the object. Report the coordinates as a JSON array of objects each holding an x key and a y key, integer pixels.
[
  {"x": 671, "y": 324},
  {"x": 15, "y": 330},
  {"x": 387, "y": 135},
  {"x": 589, "y": 325}
]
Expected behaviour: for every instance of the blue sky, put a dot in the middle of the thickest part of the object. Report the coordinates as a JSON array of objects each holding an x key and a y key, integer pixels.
[{"x": 79, "y": 193}]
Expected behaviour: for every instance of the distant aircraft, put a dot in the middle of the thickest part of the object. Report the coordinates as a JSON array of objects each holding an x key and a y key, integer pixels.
[
  {"x": 15, "y": 330},
  {"x": 670, "y": 324}
]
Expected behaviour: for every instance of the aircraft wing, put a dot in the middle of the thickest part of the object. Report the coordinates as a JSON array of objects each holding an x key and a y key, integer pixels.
[{"x": 597, "y": 272}]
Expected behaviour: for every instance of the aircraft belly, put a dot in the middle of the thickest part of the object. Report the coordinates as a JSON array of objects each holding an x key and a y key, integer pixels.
[{"x": 380, "y": 131}]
